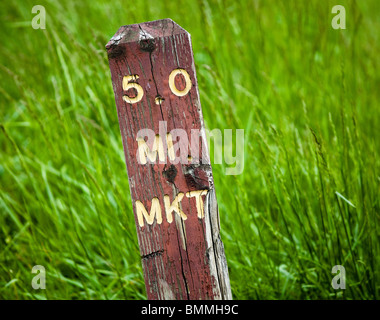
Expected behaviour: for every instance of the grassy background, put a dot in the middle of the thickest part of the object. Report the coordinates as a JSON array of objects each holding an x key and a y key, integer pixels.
[{"x": 305, "y": 94}]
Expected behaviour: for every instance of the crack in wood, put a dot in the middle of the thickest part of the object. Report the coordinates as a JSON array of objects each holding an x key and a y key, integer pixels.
[{"x": 153, "y": 254}]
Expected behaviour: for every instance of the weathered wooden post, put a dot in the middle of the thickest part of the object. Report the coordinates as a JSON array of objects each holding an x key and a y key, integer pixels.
[{"x": 169, "y": 170}]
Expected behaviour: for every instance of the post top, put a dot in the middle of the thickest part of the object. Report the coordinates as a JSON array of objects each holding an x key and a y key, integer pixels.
[{"x": 144, "y": 31}]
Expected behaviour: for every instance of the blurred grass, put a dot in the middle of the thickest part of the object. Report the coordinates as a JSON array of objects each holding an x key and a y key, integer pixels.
[{"x": 306, "y": 95}]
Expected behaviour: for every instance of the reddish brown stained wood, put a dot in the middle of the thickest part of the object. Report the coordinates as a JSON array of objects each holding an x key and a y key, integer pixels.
[{"x": 183, "y": 259}]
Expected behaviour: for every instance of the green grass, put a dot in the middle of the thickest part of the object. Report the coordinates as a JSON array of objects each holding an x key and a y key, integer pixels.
[{"x": 306, "y": 95}]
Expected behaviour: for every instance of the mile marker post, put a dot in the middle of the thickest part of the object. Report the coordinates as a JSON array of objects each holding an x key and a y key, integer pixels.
[{"x": 166, "y": 153}]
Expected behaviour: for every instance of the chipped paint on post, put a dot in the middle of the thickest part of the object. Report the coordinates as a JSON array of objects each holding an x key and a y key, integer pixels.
[{"x": 175, "y": 207}]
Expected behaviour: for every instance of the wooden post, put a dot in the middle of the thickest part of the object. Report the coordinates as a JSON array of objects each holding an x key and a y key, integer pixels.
[{"x": 166, "y": 153}]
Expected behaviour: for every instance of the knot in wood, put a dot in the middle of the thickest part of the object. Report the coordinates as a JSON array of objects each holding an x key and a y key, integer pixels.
[
  {"x": 170, "y": 173},
  {"x": 115, "y": 51},
  {"x": 148, "y": 44}
]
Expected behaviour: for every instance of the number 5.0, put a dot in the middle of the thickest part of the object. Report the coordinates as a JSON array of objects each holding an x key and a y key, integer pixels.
[{"x": 129, "y": 83}]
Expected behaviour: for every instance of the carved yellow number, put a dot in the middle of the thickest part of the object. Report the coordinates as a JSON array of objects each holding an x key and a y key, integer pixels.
[
  {"x": 172, "y": 86},
  {"x": 127, "y": 84}
]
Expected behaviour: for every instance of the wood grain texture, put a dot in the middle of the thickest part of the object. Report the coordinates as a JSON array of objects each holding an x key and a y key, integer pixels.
[{"x": 183, "y": 259}]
